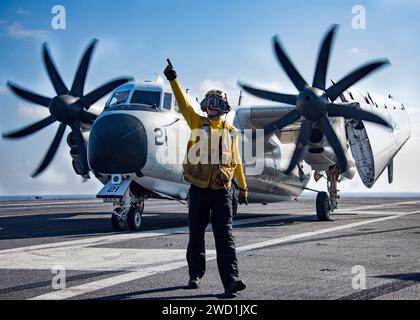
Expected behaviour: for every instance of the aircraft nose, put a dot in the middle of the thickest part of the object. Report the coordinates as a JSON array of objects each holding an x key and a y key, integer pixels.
[{"x": 117, "y": 144}]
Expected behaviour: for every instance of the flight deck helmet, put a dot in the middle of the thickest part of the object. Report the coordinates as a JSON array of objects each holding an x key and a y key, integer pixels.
[{"x": 215, "y": 99}]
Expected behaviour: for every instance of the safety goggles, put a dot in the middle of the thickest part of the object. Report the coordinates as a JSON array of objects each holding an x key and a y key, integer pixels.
[{"x": 215, "y": 103}]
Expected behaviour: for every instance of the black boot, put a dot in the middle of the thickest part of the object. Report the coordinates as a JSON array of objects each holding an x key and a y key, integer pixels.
[
  {"x": 193, "y": 283},
  {"x": 234, "y": 287}
]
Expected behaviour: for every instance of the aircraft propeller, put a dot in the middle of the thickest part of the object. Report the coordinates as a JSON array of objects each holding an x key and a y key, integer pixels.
[
  {"x": 314, "y": 104},
  {"x": 68, "y": 107}
]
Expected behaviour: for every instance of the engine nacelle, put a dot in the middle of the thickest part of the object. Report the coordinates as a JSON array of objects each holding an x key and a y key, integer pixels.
[
  {"x": 77, "y": 156},
  {"x": 373, "y": 146}
]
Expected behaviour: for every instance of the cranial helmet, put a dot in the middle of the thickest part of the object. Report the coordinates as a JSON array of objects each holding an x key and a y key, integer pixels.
[{"x": 215, "y": 99}]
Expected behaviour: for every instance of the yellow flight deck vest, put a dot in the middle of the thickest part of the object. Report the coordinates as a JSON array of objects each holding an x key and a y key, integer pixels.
[{"x": 213, "y": 162}]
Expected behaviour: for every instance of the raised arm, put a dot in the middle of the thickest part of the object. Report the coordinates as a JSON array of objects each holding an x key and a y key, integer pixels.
[{"x": 192, "y": 117}]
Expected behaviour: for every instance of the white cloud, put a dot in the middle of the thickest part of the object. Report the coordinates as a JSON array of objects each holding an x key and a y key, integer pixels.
[
  {"x": 232, "y": 90},
  {"x": 274, "y": 86},
  {"x": 59, "y": 177},
  {"x": 52, "y": 176},
  {"x": 353, "y": 51},
  {"x": 22, "y": 157},
  {"x": 271, "y": 86},
  {"x": 23, "y": 12},
  {"x": 207, "y": 85},
  {"x": 18, "y": 31},
  {"x": 202, "y": 87},
  {"x": 32, "y": 112},
  {"x": 249, "y": 99}
]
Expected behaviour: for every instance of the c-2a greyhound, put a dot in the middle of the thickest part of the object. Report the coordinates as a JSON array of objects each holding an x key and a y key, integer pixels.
[{"x": 332, "y": 131}]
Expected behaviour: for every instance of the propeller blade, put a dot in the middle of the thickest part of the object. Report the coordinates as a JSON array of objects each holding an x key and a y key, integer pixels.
[
  {"x": 288, "y": 66},
  {"x": 304, "y": 134},
  {"x": 335, "y": 90},
  {"x": 28, "y": 95},
  {"x": 323, "y": 58},
  {"x": 287, "y": 119},
  {"x": 88, "y": 117},
  {"x": 102, "y": 91},
  {"x": 29, "y": 129},
  {"x": 51, "y": 151},
  {"x": 268, "y": 95},
  {"x": 337, "y": 110},
  {"x": 59, "y": 86},
  {"x": 80, "y": 77},
  {"x": 328, "y": 131},
  {"x": 77, "y": 135}
]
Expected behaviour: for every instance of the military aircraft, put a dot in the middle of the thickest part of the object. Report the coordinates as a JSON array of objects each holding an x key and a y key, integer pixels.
[{"x": 331, "y": 131}]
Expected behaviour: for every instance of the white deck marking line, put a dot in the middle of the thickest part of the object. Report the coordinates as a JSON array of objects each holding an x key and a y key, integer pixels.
[
  {"x": 318, "y": 232},
  {"x": 48, "y": 205},
  {"x": 88, "y": 259},
  {"x": 371, "y": 212},
  {"x": 97, "y": 216},
  {"x": 43, "y": 203},
  {"x": 53, "y": 208},
  {"x": 148, "y": 206},
  {"x": 86, "y": 288},
  {"x": 103, "y": 210},
  {"x": 117, "y": 237},
  {"x": 37, "y": 213},
  {"x": 109, "y": 282},
  {"x": 71, "y": 203},
  {"x": 385, "y": 205}
]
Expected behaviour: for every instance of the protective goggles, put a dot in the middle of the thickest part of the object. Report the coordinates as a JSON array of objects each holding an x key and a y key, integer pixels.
[{"x": 215, "y": 102}]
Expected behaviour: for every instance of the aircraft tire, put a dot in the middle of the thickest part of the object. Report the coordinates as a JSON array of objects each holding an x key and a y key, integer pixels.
[
  {"x": 323, "y": 209},
  {"x": 134, "y": 217},
  {"x": 116, "y": 223}
]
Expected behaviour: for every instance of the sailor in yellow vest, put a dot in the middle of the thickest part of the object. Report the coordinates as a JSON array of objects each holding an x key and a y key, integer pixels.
[{"x": 211, "y": 162}]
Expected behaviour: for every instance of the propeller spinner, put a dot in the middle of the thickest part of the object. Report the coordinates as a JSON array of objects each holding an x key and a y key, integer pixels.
[
  {"x": 69, "y": 107},
  {"x": 314, "y": 104}
]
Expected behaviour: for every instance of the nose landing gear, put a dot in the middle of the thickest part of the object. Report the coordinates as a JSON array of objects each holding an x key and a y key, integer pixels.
[
  {"x": 128, "y": 218},
  {"x": 134, "y": 216}
]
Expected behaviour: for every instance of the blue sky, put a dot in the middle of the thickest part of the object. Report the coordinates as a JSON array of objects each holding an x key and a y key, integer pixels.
[{"x": 210, "y": 43}]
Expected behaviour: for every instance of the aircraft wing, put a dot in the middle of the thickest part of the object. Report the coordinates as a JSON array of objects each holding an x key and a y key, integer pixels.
[{"x": 259, "y": 117}]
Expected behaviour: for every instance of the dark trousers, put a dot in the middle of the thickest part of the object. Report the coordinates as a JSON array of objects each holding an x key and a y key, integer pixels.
[{"x": 217, "y": 204}]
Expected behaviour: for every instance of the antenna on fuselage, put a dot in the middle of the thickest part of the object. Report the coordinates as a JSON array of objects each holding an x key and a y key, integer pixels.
[
  {"x": 240, "y": 98},
  {"x": 159, "y": 78}
]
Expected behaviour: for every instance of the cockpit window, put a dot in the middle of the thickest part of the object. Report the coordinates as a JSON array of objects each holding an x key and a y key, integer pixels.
[
  {"x": 118, "y": 98},
  {"x": 167, "y": 101},
  {"x": 150, "y": 98}
]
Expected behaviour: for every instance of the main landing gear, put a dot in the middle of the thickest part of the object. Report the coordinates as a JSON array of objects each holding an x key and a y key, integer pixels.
[{"x": 326, "y": 203}]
